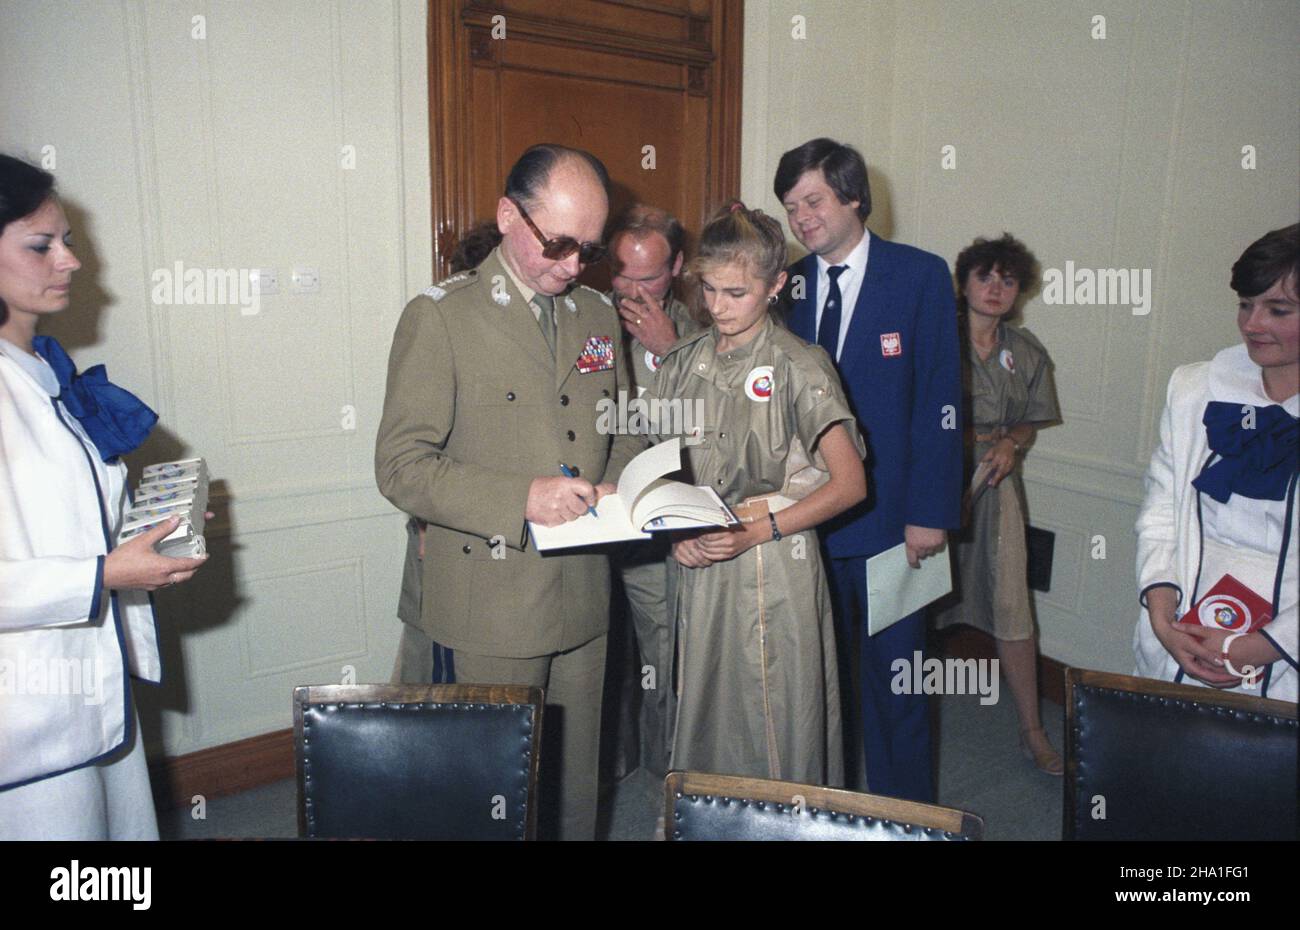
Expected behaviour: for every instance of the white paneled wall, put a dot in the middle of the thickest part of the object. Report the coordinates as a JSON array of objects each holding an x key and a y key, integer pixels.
[
  {"x": 1117, "y": 152},
  {"x": 234, "y": 135},
  {"x": 294, "y": 133}
]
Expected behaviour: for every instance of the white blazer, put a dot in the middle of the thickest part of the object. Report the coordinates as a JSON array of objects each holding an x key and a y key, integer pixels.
[
  {"x": 1169, "y": 531},
  {"x": 66, "y": 643}
]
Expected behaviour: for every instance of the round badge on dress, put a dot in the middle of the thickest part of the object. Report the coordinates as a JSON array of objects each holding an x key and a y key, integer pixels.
[
  {"x": 1007, "y": 360},
  {"x": 1224, "y": 612},
  {"x": 652, "y": 361},
  {"x": 759, "y": 383}
]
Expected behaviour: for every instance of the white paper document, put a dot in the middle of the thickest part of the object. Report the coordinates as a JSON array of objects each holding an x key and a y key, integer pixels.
[
  {"x": 646, "y": 502},
  {"x": 896, "y": 589}
]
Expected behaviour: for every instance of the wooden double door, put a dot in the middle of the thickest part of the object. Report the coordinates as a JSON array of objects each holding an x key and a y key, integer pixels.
[{"x": 651, "y": 87}]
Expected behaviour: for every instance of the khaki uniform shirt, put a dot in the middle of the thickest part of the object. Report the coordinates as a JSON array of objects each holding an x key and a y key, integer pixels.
[{"x": 475, "y": 409}]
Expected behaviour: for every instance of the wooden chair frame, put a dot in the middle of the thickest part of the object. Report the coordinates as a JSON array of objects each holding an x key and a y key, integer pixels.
[{"x": 854, "y": 803}]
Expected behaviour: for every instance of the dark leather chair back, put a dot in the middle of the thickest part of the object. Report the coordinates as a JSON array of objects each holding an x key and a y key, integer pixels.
[
  {"x": 1152, "y": 760},
  {"x": 724, "y": 807},
  {"x": 428, "y": 762}
]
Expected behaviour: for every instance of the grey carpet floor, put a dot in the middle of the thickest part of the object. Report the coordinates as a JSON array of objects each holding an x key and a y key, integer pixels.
[{"x": 981, "y": 770}]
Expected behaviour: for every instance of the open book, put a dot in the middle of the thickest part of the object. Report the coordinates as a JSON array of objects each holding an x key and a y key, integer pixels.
[{"x": 646, "y": 502}]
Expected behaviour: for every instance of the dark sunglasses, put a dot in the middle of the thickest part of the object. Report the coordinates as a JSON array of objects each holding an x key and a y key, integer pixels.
[{"x": 562, "y": 247}]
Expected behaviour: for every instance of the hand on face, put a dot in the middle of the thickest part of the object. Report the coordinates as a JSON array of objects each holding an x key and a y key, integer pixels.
[
  {"x": 646, "y": 320},
  {"x": 642, "y": 281}
]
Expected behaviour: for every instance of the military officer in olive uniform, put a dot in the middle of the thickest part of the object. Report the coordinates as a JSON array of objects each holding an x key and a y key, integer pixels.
[
  {"x": 474, "y": 246},
  {"x": 645, "y": 245},
  {"x": 484, "y": 402}
]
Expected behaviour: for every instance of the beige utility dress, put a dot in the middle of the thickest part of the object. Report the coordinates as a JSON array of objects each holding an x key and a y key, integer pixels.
[
  {"x": 756, "y": 691},
  {"x": 1012, "y": 386}
]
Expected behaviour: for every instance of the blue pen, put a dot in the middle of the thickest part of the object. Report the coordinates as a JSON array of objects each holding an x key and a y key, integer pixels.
[{"x": 570, "y": 473}]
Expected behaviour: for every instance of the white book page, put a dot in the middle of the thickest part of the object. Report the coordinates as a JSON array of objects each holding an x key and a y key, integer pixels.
[
  {"x": 681, "y": 500},
  {"x": 655, "y": 462}
]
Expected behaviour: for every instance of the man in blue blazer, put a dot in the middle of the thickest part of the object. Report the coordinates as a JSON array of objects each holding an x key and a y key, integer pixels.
[{"x": 886, "y": 314}]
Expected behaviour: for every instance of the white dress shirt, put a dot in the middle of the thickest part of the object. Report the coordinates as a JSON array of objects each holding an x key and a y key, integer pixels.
[{"x": 850, "y": 285}]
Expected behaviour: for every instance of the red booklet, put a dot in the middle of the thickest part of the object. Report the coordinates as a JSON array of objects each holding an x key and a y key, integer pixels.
[{"x": 1230, "y": 606}]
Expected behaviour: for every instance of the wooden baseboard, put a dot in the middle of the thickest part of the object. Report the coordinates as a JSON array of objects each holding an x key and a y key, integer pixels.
[
  {"x": 225, "y": 769},
  {"x": 966, "y": 642}
]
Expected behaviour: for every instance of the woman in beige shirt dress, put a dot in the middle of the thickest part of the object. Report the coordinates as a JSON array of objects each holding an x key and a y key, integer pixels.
[
  {"x": 756, "y": 679},
  {"x": 1010, "y": 395}
]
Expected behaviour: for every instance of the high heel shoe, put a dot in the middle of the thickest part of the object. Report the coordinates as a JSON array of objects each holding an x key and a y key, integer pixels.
[{"x": 1045, "y": 760}]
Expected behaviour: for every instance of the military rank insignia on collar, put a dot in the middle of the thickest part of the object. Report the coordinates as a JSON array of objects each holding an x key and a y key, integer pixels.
[
  {"x": 597, "y": 355},
  {"x": 439, "y": 291}
]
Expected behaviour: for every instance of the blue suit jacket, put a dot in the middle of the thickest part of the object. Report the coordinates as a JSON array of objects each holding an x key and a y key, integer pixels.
[{"x": 904, "y": 391}]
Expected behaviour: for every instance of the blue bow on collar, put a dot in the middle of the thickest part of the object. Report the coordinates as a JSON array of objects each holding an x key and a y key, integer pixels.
[
  {"x": 115, "y": 419},
  {"x": 1256, "y": 459}
]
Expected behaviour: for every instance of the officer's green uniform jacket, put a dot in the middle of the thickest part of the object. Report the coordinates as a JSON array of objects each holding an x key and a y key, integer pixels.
[{"x": 475, "y": 410}]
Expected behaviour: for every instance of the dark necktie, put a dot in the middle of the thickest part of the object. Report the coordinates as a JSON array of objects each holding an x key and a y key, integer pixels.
[
  {"x": 828, "y": 333},
  {"x": 546, "y": 319}
]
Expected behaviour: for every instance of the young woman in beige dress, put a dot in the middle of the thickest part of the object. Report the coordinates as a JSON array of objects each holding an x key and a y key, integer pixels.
[
  {"x": 1010, "y": 395},
  {"x": 756, "y": 683}
]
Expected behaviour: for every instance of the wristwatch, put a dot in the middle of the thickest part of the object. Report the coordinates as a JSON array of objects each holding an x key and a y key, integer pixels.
[{"x": 776, "y": 532}]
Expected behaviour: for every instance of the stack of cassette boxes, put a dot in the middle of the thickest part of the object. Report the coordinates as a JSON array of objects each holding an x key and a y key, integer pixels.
[{"x": 171, "y": 489}]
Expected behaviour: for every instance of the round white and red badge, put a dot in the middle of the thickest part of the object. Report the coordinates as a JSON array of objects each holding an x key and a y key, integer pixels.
[
  {"x": 759, "y": 384},
  {"x": 1224, "y": 612},
  {"x": 1007, "y": 360},
  {"x": 652, "y": 361}
]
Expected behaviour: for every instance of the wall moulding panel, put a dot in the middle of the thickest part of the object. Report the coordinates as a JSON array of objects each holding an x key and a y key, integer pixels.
[
  {"x": 541, "y": 56},
  {"x": 651, "y": 28}
]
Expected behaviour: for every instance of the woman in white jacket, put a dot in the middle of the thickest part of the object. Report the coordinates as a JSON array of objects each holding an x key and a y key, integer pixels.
[
  {"x": 75, "y": 613},
  {"x": 1217, "y": 535}
]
